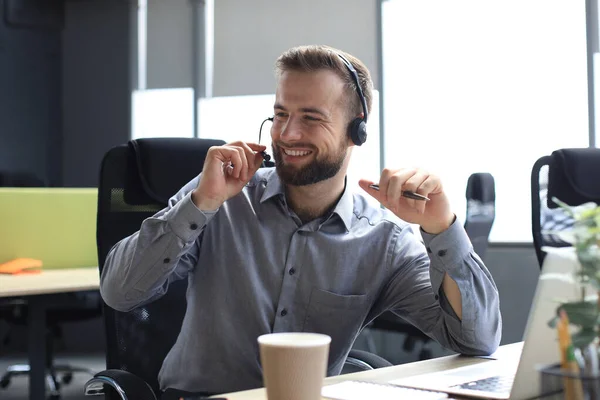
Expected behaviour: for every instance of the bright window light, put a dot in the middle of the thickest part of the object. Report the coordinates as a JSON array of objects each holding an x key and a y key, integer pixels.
[
  {"x": 162, "y": 113},
  {"x": 481, "y": 86}
]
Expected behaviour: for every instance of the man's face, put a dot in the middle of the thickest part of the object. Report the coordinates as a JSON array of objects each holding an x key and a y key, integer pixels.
[{"x": 309, "y": 130}]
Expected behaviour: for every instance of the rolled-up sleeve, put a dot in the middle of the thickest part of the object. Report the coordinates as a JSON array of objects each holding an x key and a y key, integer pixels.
[{"x": 417, "y": 295}]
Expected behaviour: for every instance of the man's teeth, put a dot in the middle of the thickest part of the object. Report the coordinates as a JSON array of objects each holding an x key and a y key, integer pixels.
[{"x": 296, "y": 153}]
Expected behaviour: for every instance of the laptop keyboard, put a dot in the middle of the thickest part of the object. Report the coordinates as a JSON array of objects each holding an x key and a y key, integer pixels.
[{"x": 494, "y": 384}]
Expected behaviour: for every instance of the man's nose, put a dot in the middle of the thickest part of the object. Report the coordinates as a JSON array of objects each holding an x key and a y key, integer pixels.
[{"x": 292, "y": 129}]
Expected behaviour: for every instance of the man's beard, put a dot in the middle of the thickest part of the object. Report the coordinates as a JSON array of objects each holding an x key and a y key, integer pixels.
[{"x": 314, "y": 172}]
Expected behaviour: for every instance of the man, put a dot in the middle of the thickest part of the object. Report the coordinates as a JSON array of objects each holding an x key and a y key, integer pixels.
[{"x": 290, "y": 249}]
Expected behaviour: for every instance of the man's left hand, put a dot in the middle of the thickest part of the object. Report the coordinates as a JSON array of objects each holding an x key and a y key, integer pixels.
[{"x": 434, "y": 216}]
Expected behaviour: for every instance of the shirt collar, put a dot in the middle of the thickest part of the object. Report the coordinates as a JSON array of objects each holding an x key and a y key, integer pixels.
[
  {"x": 273, "y": 187},
  {"x": 344, "y": 208}
]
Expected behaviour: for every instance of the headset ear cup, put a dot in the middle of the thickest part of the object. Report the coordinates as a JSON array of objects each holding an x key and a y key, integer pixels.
[{"x": 358, "y": 131}]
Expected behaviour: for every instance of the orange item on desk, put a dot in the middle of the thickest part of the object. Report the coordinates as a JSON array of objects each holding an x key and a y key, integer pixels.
[
  {"x": 21, "y": 266},
  {"x": 573, "y": 388}
]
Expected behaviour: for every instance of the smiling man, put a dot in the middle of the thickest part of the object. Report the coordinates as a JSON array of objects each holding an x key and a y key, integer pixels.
[{"x": 290, "y": 248}]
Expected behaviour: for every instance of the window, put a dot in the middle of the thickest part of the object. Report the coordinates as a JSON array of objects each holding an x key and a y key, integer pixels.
[
  {"x": 162, "y": 113},
  {"x": 474, "y": 86}
]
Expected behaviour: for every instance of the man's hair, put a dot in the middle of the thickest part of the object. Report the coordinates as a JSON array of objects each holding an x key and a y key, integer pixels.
[{"x": 320, "y": 57}]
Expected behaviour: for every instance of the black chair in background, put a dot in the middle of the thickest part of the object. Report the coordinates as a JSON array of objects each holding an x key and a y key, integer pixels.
[
  {"x": 67, "y": 307},
  {"x": 136, "y": 181},
  {"x": 481, "y": 210},
  {"x": 481, "y": 200},
  {"x": 570, "y": 175}
]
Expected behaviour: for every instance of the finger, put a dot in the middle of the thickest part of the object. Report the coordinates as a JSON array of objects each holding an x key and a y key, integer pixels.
[
  {"x": 365, "y": 185},
  {"x": 256, "y": 146},
  {"x": 232, "y": 155},
  {"x": 384, "y": 181},
  {"x": 431, "y": 185},
  {"x": 243, "y": 171},
  {"x": 252, "y": 145},
  {"x": 257, "y": 162},
  {"x": 251, "y": 157},
  {"x": 414, "y": 184},
  {"x": 395, "y": 187},
  {"x": 218, "y": 159}
]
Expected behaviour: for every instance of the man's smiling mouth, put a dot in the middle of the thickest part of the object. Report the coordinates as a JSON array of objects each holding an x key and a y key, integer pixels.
[{"x": 296, "y": 153}]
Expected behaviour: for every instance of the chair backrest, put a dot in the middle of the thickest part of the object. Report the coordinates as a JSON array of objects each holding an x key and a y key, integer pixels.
[
  {"x": 570, "y": 175},
  {"x": 136, "y": 181},
  {"x": 481, "y": 210}
]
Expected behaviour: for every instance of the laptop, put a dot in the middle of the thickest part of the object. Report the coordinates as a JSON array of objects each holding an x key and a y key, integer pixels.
[
  {"x": 500, "y": 377},
  {"x": 497, "y": 379}
]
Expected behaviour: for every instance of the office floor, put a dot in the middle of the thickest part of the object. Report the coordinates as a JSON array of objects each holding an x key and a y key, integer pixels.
[
  {"x": 17, "y": 390},
  {"x": 388, "y": 345}
]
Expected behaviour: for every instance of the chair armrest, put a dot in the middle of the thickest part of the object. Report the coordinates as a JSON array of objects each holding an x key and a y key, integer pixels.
[
  {"x": 125, "y": 384},
  {"x": 366, "y": 361}
]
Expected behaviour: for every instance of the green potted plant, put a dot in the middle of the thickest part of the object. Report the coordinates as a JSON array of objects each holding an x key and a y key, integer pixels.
[
  {"x": 584, "y": 236},
  {"x": 583, "y": 314}
]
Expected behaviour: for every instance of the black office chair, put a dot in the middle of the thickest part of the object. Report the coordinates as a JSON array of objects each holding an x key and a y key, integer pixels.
[
  {"x": 136, "y": 181},
  {"x": 481, "y": 197},
  {"x": 68, "y": 307},
  {"x": 481, "y": 210},
  {"x": 570, "y": 175}
]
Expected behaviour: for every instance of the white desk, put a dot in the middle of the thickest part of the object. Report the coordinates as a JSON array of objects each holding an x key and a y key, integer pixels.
[
  {"x": 38, "y": 291},
  {"x": 384, "y": 375},
  {"x": 50, "y": 281}
]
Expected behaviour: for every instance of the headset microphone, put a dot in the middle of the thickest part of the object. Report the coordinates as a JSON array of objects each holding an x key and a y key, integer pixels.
[{"x": 266, "y": 157}]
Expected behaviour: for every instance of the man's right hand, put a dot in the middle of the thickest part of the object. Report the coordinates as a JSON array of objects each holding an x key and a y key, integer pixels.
[{"x": 226, "y": 171}]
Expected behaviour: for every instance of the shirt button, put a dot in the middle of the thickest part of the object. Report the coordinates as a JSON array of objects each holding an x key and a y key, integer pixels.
[
  {"x": 442, "y": 253},
  {"x": 167, "y": 260},
  {"x": 283, "y": 312},
  {"x": 292, "y": 271},
  {"x": 437, "y": 297},
  {"x": 193, "y": 226}
]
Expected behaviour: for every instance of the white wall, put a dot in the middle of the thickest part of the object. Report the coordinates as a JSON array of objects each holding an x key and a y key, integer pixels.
[{"x": 250, "y": 35}]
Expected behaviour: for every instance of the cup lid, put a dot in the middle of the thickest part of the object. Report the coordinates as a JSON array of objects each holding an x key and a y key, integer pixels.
[{"x": 294, "y": 339}]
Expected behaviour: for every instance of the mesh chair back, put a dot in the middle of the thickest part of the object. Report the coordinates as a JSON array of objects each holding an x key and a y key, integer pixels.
[
  {"x": 136, "y": 181},
  {"x": 481, "y": 210},
  {"x": 569, "y": 175}
]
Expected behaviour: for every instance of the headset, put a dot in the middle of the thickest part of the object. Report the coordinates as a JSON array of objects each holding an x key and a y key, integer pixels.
[
  {"x": 357, "y": 130},
  {"x": 358, "y": 126}
]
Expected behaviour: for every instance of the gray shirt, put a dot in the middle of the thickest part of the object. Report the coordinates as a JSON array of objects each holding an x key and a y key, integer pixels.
[{"x": 253, "y": 268}]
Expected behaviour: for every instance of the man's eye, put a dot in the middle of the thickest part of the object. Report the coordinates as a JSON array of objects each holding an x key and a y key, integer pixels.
[
  {"x": 310, "y": 118},
  {"x": 280, "y": 115}
]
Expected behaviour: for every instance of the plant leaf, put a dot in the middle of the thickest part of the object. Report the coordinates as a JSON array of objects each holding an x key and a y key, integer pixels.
[
  {"x": 584, "y": 337},
  {"x": 581, "y": 313}
]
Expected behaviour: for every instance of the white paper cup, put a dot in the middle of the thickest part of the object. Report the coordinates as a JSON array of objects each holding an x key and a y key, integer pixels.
[{"x": 294, "y": 364}]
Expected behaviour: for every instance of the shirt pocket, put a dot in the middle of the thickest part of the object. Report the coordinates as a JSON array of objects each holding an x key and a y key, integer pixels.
[{"x": 339, "y": 316}]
